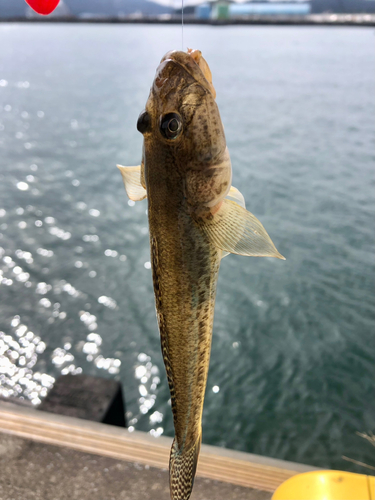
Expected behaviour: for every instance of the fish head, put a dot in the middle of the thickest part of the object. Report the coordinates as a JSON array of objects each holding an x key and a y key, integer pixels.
[{"x": 182, "y": 124}]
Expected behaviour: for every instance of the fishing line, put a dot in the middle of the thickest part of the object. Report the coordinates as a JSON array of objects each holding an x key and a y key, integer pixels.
[{"x": 182, "y": 24}]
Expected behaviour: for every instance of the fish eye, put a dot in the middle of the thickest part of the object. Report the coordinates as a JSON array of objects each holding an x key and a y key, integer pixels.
[
  {"x": 171, "y": 125},
  {"x": 144, "y": 122}
]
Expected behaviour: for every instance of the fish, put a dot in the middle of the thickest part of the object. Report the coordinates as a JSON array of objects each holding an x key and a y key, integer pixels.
[{"x": 196, "y": 217}]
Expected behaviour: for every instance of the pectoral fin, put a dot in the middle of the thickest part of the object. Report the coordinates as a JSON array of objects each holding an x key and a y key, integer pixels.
[
  {"x": 132, "y": 181},
  {"x": 234, "y": 195},
  {"x": 235, "y": 230}
]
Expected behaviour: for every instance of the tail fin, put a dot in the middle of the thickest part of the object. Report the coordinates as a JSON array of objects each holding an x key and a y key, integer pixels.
[{"x": 182, "y": 468}]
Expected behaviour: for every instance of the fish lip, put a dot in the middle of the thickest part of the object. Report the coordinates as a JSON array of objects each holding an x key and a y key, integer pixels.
[{"x": 187, "y": 63}]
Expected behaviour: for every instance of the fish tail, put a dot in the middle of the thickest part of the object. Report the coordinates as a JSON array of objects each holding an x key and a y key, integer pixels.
[{"x": 182, "y": 468}]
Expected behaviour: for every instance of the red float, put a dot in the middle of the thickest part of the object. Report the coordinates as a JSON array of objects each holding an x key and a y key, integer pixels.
[{"x": 43, "y": 7}]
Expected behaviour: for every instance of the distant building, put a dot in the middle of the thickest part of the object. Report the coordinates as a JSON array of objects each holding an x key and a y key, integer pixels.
[
  {"x": 269, "y": 9},
  {"x": 220, "y": 10},
  {"x": 203, "y": 11}
]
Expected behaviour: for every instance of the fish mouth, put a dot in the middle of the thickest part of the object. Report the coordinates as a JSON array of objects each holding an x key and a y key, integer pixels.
[{"x": 193, "y": 63}]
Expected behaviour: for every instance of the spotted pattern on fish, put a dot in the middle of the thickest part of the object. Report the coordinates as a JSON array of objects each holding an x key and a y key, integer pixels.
[{"x": 182, "y": 468}]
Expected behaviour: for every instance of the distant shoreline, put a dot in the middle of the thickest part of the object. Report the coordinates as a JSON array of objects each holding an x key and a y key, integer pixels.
[{"x": 362, "y": 20}]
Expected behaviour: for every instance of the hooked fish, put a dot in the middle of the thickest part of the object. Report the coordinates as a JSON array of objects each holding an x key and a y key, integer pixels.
[{"x": 195, "y": 218}]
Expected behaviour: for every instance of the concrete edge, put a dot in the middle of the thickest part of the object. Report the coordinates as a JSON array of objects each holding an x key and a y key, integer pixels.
[{"x": 230, "y": 466}]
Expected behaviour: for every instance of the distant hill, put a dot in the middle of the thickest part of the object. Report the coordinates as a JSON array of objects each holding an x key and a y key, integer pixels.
[
  {"x": 13, "y": 8},
  {"x": 61, "y": 11},
  {"x": 18, "y": 8},
  {"x": 115, "y": 7}
]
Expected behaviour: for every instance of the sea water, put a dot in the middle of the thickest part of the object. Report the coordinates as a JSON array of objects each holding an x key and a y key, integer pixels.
[{"x": 292, "y": 366}]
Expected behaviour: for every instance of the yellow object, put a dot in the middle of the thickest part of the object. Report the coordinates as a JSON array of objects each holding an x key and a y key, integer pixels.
[{"x": 327, "y": 485}]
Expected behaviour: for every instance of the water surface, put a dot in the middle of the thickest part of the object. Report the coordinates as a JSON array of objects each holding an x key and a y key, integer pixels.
[{"x": 292, "y": 367}]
